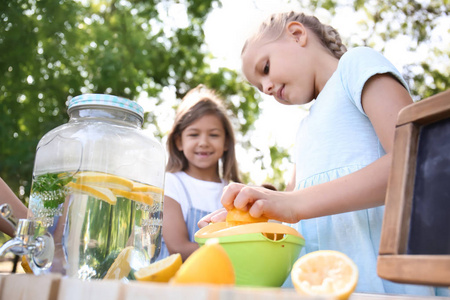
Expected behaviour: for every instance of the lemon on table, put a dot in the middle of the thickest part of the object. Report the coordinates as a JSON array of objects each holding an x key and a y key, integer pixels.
[
  {"x": 325, "y": 273},
  {"x": 238, "y": 217},
  {"x": 101, "y": 193},
  {"x": 120, "y": 268},
  {"x": 208, "y": 264},
  {"x": 160, "y": 271},
  {"x": 104, "y": 180}
]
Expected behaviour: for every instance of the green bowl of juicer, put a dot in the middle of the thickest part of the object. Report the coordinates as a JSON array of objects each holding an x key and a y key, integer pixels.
[{"x": 262, "y": 254}]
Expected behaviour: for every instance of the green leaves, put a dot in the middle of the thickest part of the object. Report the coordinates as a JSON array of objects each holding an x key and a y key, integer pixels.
[
  {"x": 55, "y": 50},
  {"x": 51, "y": 189}
]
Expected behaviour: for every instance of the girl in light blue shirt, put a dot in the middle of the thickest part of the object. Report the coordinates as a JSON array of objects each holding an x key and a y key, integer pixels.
[{"x": 343, "y": 147}]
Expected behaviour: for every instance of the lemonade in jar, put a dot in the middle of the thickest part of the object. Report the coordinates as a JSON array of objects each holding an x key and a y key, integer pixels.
[{"x": 98, "y": 190}]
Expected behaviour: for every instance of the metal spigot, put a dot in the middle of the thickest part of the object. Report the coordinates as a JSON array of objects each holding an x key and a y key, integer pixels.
[
  {"x": 6, "y": 213},
  {"x": 30, "y": 239}
]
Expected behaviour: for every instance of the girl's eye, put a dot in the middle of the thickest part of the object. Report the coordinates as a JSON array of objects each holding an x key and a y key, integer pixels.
[{"x": 266, "y": 68}]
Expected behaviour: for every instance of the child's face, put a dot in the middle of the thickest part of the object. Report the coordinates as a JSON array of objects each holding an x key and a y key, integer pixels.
[
  {"x": 281, "y": 69},
  {"x": 203, "y": 143}
]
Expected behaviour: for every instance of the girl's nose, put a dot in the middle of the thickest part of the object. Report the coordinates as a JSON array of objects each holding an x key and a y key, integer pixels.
[
  {"x": 203, "y": 139},
  {"x": 268, "y": 87}
]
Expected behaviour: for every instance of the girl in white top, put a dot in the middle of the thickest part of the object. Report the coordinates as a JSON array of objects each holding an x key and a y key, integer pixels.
[
  {"x": 201, "y": 136},
  {"x": 343, "y": 147}
]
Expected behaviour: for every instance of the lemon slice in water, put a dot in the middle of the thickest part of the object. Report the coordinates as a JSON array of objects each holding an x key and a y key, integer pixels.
[
  {"x": 140, "y": 187},
  {"x": 101, "y": 193},
  {"x": 104, "y": 180},
  {"x": 136, "y": 196},
  {"x": 120, "y": 268}
]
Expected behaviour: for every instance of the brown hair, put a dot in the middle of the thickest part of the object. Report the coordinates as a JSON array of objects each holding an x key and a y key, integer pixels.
[
  {"x": 269, "y": 186},
  {"x": 274, "y": 26},
  {"x": 197, "y": 103}
]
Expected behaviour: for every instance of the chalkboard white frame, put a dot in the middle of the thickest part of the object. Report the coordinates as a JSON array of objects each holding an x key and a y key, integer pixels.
[{"x": 393, "y": 262}]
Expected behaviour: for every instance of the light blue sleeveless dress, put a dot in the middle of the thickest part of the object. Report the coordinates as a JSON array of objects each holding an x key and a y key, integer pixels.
[
  {"x": 193, "y": 216},
  {"x": 336, "y": 139}
]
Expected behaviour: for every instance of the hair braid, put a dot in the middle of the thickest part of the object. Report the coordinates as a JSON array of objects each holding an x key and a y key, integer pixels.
[
  {"x": 274, "y": 26},
  {"x": 331, "y": 38}
]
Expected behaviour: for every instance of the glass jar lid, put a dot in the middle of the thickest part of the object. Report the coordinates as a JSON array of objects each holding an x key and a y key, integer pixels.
[{"x": 100, "y": 100}]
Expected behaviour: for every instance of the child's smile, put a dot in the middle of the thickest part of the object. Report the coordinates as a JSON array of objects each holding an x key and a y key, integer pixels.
[
  {"x": 204, "y": 154},
  {"x": 280, "y": 93},
  {"x": 203, "y": 143}
]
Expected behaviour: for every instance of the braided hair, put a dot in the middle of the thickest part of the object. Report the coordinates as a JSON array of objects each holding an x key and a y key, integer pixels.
[{"x": 274, "y": 27}]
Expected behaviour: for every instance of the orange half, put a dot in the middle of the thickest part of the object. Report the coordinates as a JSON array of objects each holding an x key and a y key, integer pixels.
[{"x": 237, "y": 217}]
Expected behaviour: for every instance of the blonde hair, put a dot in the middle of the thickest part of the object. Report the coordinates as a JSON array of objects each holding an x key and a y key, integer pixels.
[
  {"x": 274, "y": 26},
  {"x": 197, "y": 103}
]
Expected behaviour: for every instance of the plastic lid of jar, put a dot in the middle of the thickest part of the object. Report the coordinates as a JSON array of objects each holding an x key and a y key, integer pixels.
[{"x": 105, "y": 100}]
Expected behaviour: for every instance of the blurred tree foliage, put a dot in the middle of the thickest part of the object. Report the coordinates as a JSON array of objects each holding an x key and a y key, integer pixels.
[
  {"x": 51, "y": 51},
  {"x": 387, "y": 20},
  {"x": 54, "y": 50},
  {"x": 381, "y": 21}
]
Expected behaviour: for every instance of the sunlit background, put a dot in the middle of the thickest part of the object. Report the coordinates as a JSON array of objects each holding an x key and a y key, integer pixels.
[
  {"x": 148, "y": 51},
  {"x": 155, "y": 51},
  {"x": 227, "y": 28}
]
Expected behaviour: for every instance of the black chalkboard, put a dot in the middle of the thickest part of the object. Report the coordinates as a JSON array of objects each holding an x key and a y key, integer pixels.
[{"x": 430, "y": 216}]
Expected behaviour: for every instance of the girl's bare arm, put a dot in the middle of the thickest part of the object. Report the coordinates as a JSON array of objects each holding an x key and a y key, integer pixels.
[
  {"x": 18, "y": 208},
  {"x": 383, "y": 97},
  {"x": 175, "y": 232}
]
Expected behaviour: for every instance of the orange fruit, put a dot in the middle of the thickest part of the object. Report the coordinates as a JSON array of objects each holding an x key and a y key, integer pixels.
[
  {"x": 238, "y": 217},
  {"x": 208, "y": 264},
  {"x": 325, "y": 273},
  {"x": 160, "y": 271}
]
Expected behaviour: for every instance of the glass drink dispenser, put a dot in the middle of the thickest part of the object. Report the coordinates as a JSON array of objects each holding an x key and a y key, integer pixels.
[{"x": 95, "y": 209}]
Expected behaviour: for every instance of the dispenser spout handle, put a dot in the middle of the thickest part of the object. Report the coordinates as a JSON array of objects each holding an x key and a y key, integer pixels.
[
  {"x": 7, "y": 214},
  {"x": 15, "y": 246},
  {"x": 31, "y": 240}
]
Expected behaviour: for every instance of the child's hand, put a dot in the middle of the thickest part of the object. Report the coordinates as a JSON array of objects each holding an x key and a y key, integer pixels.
[
  {"x": 214, "y": 217},
  {"x": 260, "y": 202}
]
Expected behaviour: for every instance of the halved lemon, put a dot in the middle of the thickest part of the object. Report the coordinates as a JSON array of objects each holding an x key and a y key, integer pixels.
[
  {"x": 208, "y": 264},
  {"x": 136, "y": 196},
  {"x": 120, "y": 268},
  {"x": 104, "y": 180},
  {"x": 238, "y": 217},
  {"x": 140, "y": 187},
  {"x": 160, "y": 271},
  {"x": 325, "y": 273},
  {"x": 101, "y": 193}
]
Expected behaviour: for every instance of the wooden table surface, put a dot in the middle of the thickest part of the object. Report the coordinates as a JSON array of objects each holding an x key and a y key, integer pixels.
[{"x": 56, "y": 287}]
